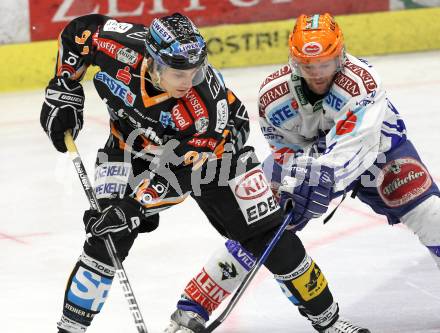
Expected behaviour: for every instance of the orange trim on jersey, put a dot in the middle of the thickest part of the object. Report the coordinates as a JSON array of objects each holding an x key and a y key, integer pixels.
[
  {"x": 146, "y": 144},
  {"x": 220, "y": 149},
  {"x": 118, "y": 135},
  {"x": 79, "y": 73},
  {"x": 166, "y": 202},
  {"x": 75, "y": 75},
  {"x": 231, "y": 97},
  {"x": 150, "y": 101},
  {"x": 59, "y": 55}
]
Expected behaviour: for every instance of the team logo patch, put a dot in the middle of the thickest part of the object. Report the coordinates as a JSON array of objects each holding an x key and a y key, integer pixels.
[
  {"x": 166, "y": 119},
  {"x": 188, "y": 47},
  {"x": 402, "y": 181},
  {"x": 162, "y": 31},
  {"x": 252, "y": 186},
  {"x": 228, "y": 270},
  {"x": 273, "y": 94},
  {"x": 89, "y": 290},
  {"x": 311, "y": 284},
  {"x": 150, "y": 193},
  {"x": 312, "y": 48},
  {"x": 222, "y": 115},
  {"x": 201, "y": 125},
  {"x": 65, "y": 70},
  {"x": 347, "y": 84},
  {"x": 346, "y": 125},
  {"x": 335, "y": 101},
  {"x": 116, "y": 50},
  {"x": 117, "y": 88},
  {"x": 115, "y": 26},
  {"x": 64, "y": 97},
  {"x": 108, "y": 46},
  {"x": 240, "y": 254},
  {"x": 198, "y": 110},
  {"x": 367, "y": 79},
  {"x": 111, "y": 179},
  {"x": 128, "y": 56},
  {"x": 253, "y": 195},
  {"x": 180, "y": 117},
  {"x": 204, "y": 290},
  {"x": 193, "y": 58},
  {"x": 283, "y": 113},
  {"x": 124, "y": 75}
]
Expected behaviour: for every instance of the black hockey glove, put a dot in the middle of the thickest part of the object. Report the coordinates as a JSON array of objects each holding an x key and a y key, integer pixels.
[
  {"x": 118, "y": 219},
  {"x": 307, "y": 191},
  {"x": 62, "y": 110}
]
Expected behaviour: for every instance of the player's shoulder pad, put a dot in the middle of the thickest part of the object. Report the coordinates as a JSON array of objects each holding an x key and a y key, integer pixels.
[
  {"x": 274, "y": 89},
  {"x": 358, "y": 80},
  {"x": 357, "y": 84},
  {"x": 283, "y": 72},
  {"x": 114, "y": 34}
]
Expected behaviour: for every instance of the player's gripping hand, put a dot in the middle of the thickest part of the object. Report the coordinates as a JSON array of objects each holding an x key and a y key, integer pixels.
[
  {"x": 119, "y": 219},
  {"x": 62, "y": 110},
  {"x": 307, "y": 190}
]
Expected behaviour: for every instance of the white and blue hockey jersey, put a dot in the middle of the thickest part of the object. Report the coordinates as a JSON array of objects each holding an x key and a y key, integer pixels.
[{"x": 355, "y": 119}]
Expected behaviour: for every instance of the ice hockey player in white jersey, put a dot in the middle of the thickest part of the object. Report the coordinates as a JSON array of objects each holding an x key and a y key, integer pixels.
[
  {"x": 326, "y": 114},
  {"x": 322, "y": 94}
]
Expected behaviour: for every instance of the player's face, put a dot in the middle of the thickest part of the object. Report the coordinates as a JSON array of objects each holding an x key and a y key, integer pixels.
[
  {"x": 319, "y": 76},
  {"x": 177, "y": 82}
]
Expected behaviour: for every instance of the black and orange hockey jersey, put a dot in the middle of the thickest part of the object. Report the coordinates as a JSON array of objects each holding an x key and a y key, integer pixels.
[{"x": 206, "y": 118}]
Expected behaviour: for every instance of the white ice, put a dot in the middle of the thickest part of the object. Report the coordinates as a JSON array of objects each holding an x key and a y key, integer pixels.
[{"x": 380, "y": 275}]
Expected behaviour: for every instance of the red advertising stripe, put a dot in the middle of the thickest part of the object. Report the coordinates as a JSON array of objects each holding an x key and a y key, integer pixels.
[{"x": 48, "y": 17}]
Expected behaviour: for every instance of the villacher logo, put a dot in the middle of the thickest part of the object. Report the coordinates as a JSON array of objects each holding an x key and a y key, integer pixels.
[{"x": 402, "y": 181}]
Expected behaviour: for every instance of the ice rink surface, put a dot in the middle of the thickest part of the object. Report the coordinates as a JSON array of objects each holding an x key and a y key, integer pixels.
[{"x": 380, "y": 275}]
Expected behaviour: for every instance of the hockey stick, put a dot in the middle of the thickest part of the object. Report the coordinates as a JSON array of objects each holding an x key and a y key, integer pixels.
[
  {"x": 94, "y": 204},
  {"x": 247, "y": 280}
]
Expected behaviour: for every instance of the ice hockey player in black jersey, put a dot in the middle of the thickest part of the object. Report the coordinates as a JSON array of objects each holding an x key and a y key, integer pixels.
[{"x": 176, "y": 131}]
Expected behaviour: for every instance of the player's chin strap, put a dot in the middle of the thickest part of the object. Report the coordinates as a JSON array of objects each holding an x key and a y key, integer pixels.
[
  {"x": 250, "y": 275},
  {"x": 94, "y": 204}
]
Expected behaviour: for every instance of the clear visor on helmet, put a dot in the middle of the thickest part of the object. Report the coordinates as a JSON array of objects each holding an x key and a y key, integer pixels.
[
  {"x": 181, "y": 77},
  {"x": 316, "y": 69}
]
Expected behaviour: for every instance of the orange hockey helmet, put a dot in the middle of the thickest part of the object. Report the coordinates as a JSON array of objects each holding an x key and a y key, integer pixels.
[{"x": 316, "y": 38}]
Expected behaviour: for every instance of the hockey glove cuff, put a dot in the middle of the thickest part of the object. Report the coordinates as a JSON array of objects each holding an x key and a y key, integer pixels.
[{"x": 307, "y": 191}]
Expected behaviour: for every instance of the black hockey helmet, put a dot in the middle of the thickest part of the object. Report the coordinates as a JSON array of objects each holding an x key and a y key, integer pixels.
[{"x": 175, "y": 41}]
